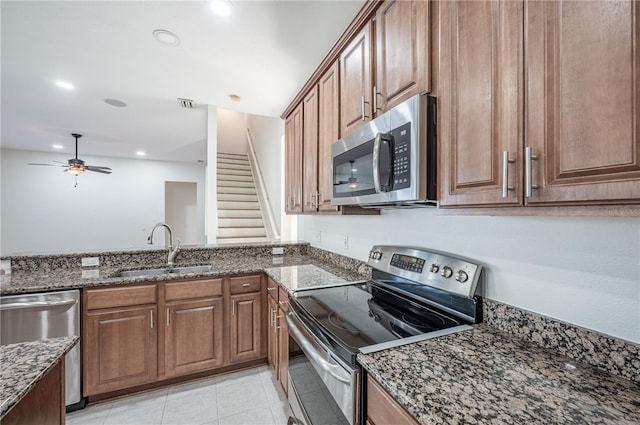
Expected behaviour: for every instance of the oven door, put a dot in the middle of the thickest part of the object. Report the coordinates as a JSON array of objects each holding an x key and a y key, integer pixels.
[{"x": 322, "y": 389}]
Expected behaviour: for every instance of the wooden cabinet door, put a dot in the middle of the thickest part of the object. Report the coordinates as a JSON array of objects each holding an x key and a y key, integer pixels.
[
  {"x": 310, "y": 150},
  {"x": 293, "y": 161},
  {"x": 355, "y": 82},
  {"x": 193, "y": 336},
  {"x": 382, "y": 408},
  {"x": 583, "y": 96},
  {"x": 283, "y": 350},
  {"x": 272, "y": 335},
  {"x": 480, "y": 101},
  {"x": 403, "y": 66},
  {"x": 120, "y": 349},
  {"x": 245, "y": 335},
  {"x": 328, "y": 132}
]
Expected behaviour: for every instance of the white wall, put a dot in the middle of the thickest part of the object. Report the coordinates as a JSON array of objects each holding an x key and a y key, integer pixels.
[
  {"x": 232, "y": 133},
  {"x": 42, "y": 211},
  {"x": 181, "y": 211},
  {"x": 266, "y": 134},
  {"x": 582, "y": 270}
]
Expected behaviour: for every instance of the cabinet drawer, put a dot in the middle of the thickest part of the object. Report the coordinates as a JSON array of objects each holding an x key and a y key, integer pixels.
[
  {"x": 283, "y": 299},
  {"x": 382, "y": 408},
  {"x": 193, "y": 289},
  {"x": 272, "y": 289},
  {"x": 243, "y": 284},
  {"x": 120, "y": 296}
]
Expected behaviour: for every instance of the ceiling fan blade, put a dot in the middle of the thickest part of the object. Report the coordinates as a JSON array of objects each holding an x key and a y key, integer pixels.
[
  {"x": 103, "y": 170},
  {"x": 97, "y": 166},
  {"x": 48, "y": 165},
  {"x": 60, "y": 162}
]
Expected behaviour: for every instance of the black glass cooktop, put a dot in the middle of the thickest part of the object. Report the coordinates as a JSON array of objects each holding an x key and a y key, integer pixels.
[{"x": 359, "y": 315}]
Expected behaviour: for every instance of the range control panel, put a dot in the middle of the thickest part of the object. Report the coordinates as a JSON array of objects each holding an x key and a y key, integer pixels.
[{"x": 436, "y": 269}]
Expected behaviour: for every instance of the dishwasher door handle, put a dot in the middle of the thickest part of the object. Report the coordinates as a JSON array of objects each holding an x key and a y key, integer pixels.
[{"x": 35, "y": 304}]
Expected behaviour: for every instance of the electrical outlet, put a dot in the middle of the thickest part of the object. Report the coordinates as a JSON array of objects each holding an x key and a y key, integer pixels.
[
  {"x": 5, "y": 266},
  {"x": 318, "y": 238},
  {"x": 90, "y": 261},
  {"x": 346, "y": 242},
  {"x": 90, "y": 274},
  {"x": 277, "y": 250},
  {"x": 277, "y": 260}
]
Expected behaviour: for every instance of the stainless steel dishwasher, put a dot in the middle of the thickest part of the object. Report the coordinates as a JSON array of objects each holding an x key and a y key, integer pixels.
[{"x": 33, "y": 317}]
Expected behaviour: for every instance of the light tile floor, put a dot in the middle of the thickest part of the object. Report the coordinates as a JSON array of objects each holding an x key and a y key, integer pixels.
[{"x": 250, "y": 397}]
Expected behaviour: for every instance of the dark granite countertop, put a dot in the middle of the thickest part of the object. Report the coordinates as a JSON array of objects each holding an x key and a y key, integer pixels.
[
  {"x": 24, "y": 364},
  {"x": 486, "y": 376},
  {"x": 22, "y": 282},
  {"x": 305, "y": 276}
]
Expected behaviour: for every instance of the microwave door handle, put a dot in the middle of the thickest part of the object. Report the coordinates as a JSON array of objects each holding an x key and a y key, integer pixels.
[{"x": 376, "y": 162}]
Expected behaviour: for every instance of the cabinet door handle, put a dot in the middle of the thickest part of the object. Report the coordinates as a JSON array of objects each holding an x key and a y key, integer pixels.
[
  {"x": 278, "y": 317},
  {"x": 168, "y": 320},
  {"x": 528, "y": 184},
  {"x": 505, "y": 173},
  {"x": 233, "y": 307},
  {"x": 151, "y": 316},
  {"x": 375, "y": 100},
  {"x": 364, "y": 116},
  {"x": 320, "y": 199}
]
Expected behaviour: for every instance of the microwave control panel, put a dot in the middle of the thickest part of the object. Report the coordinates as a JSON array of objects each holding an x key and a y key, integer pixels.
[{"x": 401, "y": 156}]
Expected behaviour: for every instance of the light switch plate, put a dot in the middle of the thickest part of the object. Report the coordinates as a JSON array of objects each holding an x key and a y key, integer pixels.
[
  {"x": 90, "y": 261},
  {"x": 278, "y": 250}
]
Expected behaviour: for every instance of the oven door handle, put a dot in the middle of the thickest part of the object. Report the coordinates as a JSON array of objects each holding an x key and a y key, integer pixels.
[{"x": 315, "y": 352}]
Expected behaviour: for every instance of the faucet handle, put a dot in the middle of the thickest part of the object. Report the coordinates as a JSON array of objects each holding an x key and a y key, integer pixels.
[{"x": 178, "y": 245}]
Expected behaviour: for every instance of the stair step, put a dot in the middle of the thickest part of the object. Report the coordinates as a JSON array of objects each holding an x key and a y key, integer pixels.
[
  {"x": 235, "y": 177},
  {"x": 238, "y": 205},
  {"x": 226, "y": 166},
  {"x": 244, "y": 197},
  {"x": 240, "y": 240},
  {"x": 232, "y": 162},
  {"x": 240, "y": 222},
  {"x": 237, "y": 213},
  {"x": 241, "y": 232},
  {"x": 236, "y": 183},
  {"x": 231, "y": 155},
  {"x": 237, "y": 190},
  {"x": 234, "y": 172}
]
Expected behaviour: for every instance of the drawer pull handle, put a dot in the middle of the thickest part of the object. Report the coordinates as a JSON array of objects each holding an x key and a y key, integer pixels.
[
  {"x": 246, "y": 285},
  {"x": 271, "y": 289}
]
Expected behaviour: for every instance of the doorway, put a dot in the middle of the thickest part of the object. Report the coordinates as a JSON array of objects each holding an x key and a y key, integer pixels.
[{"x": 180, "y": 210}]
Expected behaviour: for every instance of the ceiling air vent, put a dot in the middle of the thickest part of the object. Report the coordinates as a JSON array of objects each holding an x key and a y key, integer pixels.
[{"x": 186, "y": 103}]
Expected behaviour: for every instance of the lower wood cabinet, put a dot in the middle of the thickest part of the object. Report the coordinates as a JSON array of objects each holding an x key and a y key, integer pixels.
[
  {"x": 278, "y": 335},
  {"x": 142, "y": 334},
  {"x": 245, "y": 321},
  {"x": 120, "y": 348},
  {"x": 383, "y": 409},
  {"x": 194, "y": 327},
  {"x": 272, "y": 334}
]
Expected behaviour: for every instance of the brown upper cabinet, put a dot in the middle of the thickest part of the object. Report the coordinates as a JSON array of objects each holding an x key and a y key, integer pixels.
[
  {"x": 546, "y": 117},
  {"x": 355, "y": 82},
  {"x": 403, "y": 59},
  {"x": 328, "y": 132},
  {"x": 310, "y": 151},
  {"x": 293, "y": 161}
]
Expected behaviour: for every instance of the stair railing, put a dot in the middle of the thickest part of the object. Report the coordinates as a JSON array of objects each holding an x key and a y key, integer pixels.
[{"x": 273, "y": 233}]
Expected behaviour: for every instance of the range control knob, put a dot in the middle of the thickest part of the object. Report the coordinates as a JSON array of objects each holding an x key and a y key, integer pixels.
[
  {"x": 446, "y": 272},
  {"x": 462, "y": 276},
  {"x": 434, "y": 268}
]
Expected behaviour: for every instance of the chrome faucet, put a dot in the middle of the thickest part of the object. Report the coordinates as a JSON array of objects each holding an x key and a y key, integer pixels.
[{"x": 172, "y": 251}]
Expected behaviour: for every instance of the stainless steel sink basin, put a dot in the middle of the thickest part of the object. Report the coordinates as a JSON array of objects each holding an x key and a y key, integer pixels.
[{"x": 165, "y": 270}]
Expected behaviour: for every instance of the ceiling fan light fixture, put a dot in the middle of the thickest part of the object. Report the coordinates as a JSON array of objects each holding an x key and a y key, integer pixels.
[{"x": 75, "y": 169}]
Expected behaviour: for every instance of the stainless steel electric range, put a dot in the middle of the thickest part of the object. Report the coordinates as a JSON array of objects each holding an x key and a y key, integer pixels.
[{"x": 414, "y": 294}]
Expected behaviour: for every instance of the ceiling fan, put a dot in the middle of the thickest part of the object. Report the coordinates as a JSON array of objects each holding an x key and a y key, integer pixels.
[{"x": 77, "y": 166}]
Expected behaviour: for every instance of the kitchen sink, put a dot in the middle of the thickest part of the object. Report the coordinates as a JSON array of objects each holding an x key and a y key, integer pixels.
[{"x": 165, "y": 270}]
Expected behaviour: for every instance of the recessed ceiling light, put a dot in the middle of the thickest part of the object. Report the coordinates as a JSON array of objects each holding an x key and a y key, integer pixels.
[
  {"x": 57, "y": 146},
  {"x": 115, "y": 102},
  {"x": 64, "y": 85},
  {"x": 140, "y": 153},
  {"x": 234, "y": 97},
  {"x": 220, "y": 7},
  {"x": 166, "y": 37}
]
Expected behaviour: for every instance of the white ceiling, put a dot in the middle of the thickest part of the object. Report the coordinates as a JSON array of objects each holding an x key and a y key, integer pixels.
[{"x": 264, "y": 52}]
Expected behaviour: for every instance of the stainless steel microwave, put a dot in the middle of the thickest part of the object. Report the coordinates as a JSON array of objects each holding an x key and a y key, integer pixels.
[{"x": 389, "y": 161}]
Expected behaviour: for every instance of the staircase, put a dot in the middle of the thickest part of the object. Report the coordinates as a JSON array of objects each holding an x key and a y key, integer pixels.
[{"x": 239, "y": 215}]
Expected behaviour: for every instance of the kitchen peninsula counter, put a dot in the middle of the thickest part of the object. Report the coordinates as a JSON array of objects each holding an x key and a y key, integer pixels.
[
  {"x": 236, "y": 261},
  {"x": 485, "y": 375},
  {"x": 25, "y": 364}
]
